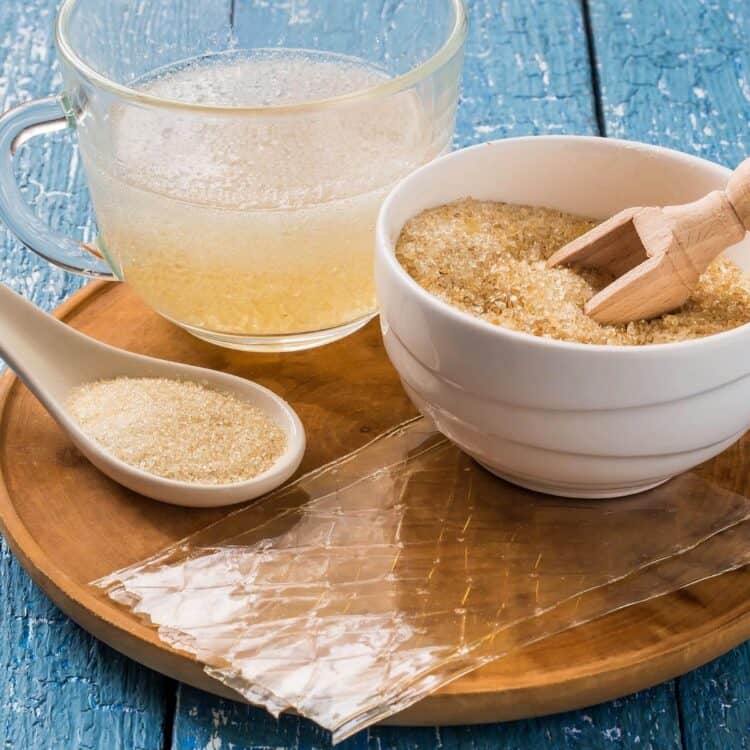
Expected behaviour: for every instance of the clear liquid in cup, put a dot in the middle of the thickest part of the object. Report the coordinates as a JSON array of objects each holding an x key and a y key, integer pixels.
[{"x": 256, "y": 224}]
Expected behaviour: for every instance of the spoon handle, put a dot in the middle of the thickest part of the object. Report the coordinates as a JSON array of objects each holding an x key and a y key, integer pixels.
[{"x": 45, "y": 353}]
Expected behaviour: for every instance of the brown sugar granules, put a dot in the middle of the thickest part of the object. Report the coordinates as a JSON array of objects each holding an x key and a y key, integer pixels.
[
  {"x": 488, "y": 259},
  {"x": 178, "y": 429}
]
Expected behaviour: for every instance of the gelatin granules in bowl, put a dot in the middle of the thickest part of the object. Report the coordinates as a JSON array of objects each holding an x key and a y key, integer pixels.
[{"x": 489, "y": 259}]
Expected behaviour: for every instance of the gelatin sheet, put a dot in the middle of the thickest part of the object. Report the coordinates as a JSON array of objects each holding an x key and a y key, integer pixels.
[{"x": 373, "y": 581}]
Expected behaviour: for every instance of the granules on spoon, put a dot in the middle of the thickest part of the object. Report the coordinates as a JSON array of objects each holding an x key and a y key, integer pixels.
[
  {"x": 178, "y": 429},
  {"x": 489, "y": 259}
]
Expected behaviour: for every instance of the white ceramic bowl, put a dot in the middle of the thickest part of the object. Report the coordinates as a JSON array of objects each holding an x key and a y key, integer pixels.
[{"x": 564, "y": 418}]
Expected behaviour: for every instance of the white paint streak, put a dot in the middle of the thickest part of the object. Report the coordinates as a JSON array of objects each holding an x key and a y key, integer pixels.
[{"x": 543, "y": 67}]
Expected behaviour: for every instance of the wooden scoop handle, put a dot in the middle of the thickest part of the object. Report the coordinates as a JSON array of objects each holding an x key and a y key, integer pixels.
[{"x": 738, "y": 192}]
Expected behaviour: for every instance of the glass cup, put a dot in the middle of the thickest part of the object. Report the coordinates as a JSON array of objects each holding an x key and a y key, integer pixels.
[{"x": 237, "y": 152}]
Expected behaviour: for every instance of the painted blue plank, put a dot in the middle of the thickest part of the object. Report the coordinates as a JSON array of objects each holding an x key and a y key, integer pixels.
[
  {"x": 61, "y": 688},
  {"x": 50, "y": 179},
  {"x": 714, "y": 703},
  {"x": 677, "y": 73},
  {"x": 527, "y": 72}
]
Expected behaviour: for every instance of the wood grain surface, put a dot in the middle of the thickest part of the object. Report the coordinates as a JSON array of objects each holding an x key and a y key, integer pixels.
[{"x": 673, "y": 72}]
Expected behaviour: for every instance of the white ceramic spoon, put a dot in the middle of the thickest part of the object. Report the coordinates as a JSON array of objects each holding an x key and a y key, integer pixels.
[{"x": 51, "y": 358}]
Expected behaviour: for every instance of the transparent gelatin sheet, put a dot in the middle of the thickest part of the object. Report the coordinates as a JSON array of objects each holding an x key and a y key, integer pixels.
[{"x": 377, "y": 579}]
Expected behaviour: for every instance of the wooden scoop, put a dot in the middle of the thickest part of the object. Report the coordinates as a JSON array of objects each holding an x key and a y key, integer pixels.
[{"x": 658, "y": 254}]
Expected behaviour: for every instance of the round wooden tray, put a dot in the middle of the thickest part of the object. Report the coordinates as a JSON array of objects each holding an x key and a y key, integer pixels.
[{"x": 68, "y": 524}]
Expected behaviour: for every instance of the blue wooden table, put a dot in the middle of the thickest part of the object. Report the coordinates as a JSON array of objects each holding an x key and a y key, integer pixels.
[{"x": 673, "y": 72}]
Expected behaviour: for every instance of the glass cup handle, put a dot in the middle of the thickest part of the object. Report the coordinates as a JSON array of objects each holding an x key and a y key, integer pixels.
[{"x": 16, "y": 126}]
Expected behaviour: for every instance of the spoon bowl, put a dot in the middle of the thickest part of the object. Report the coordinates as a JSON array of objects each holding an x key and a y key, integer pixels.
[{"x": 52, "y": 359}]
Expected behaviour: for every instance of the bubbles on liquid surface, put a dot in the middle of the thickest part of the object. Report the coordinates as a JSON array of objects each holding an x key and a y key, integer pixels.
[
  {"x": 270, "y": 160},
  {"x": 264, "y": 78}
]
